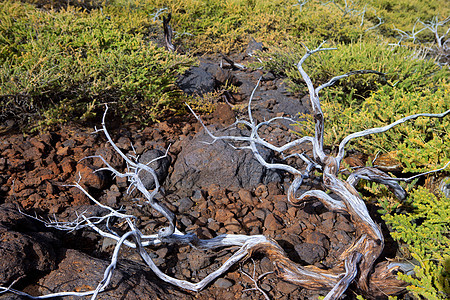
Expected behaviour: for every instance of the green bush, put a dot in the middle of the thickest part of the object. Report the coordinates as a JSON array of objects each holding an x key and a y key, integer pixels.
[
  {"x": 420, "y": 145},
  {"x": 63, "y": 63},
  {"x": 425, "y": 230},
  {"x": 226, "y": 26}
]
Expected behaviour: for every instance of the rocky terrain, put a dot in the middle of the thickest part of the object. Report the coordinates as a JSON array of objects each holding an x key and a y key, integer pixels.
[{"x": 212, "y": 189}]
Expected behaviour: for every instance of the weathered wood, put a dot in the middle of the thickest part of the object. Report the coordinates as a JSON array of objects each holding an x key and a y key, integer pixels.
[{"x": 168, "y": 34}]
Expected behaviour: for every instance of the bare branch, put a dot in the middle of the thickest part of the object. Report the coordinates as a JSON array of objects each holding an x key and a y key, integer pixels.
[
  {"x": 376, "y": 175},
  {"x": 370, "y": 131},
  {"x": 255, "y": 280},
  {"x": 168, "y": 34},
  {"x": 351, "y": 271}
]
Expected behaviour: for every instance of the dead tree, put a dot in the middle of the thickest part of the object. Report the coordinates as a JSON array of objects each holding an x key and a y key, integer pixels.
[
  {"x": 357, "y": 262},
  {"x": 168, "y": 34}
]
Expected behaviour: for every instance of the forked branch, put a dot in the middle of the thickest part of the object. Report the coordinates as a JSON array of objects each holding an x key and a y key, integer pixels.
[{"x": 358, "y": 261}]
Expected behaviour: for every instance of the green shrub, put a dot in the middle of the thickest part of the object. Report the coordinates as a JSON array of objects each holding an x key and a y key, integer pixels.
[
  {"x": 420, "y": 145},
  {"x": 226, "y": 26},
  {"x": 63, "y": 62},
  {"x": 425, "y": 230},
  {"x": 404, "y": 13},
  {"x": 399, "y": 64}
]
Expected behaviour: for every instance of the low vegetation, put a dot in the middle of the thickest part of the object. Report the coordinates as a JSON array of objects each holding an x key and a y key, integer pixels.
[{"x": 61, "y": 64}]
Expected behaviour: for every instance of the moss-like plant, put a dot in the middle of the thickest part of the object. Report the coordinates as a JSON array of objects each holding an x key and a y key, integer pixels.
[
  {"x": 425, "y": 230},
  {"x": 62, "y": 63},
  {"x": 421, "y": 146}
]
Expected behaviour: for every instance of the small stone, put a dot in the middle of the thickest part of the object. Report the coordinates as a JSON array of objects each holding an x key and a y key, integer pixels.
[
  {"x": 280, "y": 206},
  {"x": 328, "y": 224},
  {"x": 232, "y": 225},
  {"x": 310, "y": 253},
  {"x": 195, "y": 214},
  {"x": 204, "y": 233},
  {"x": 215, "y": 192},
  {"x": 246, "y": 197},
  {"x": 162, "y": 252},
  {"x": 224, "y": 114},
  {"x": 69, "y": 143},
  {"x": 222, "y": 215},
  {"x": 318, "y": 239},
  {"x": 261, "y": 191},
  {"x": 273, "y": 188},
  {"x": 185, "y": 204},
  {"x": 186, "y": 272},
  {"x": 63, "y": 151},
  {"x": 265, "y": 287},
  {"x": 108, "y": 244},
  {"x": 122, "y": 182},
  {"x": 186, "y": 221},
  {"x": 50, "y": 189},
  {"x": 292, "y": 211},
  {"x": 251, "y": 221},
  {"x": 198, "y": 260},
  {"x": 260, "y": 214},
  {"x": 79, "y": 198},
  {"x": 111, "y": 197},
  {"x": 67, "y": 165},
  {"x": 213, "y": 225},
  {"x": 328, "y": 215},
  {"x": 198, "y": 196},
  {"x": 285, "y": 287},
  {"x": 342, "y": 237},
  {"x": 37, "y": 144},
  {"x": 266, "y": 204},
  {"x": 201, "y": 221},
  {"x": 255, "y": 231},
  {"x": 295, "y": 229},
  {"x": 223, "y": 283},
  {"x": 89, "y": 177},
  {"x": 345, "y": 225},
  {"x": 273, "y": 222},
  {"x": 32, "y": 154}
]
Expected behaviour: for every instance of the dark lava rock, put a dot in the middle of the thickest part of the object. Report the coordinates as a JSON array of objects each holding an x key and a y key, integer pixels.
[
  {"x": 221, "y": 76},
  {"x": 310, "y": 253},
  {"x": 253, "y": 46},
  {"x": 196, "y": 81},
  {"x": 185, "y": 204},
  {"x": 79, "y": 272},
  {"x": 317, "y": 238},
  {"x": 273, "y": 222},
  {"x": 223, "y": 283},
  {"x": 200, "y": 165},
  {"x": 22, "y": 253},
  {"x": 160, "y": 166}
]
